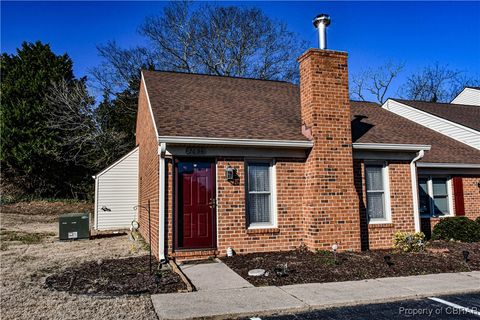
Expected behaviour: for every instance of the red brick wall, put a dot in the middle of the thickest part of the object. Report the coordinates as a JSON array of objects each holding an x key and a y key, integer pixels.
[
  {"x": 148, "y": 170},
  {"x": 471, "y": 195},
  {"x": 377, "y": 236},
  {"x": 231, "y": 214},
  {"x": 330, "y": 203}
]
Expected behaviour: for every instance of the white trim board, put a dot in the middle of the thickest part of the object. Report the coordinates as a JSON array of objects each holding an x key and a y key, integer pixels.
[
  {"x": 448, "y": 165},
  {"x": 386, "y": 192},
  {"x": 390, "y": 147},
  {"x": 236, "y": 142}
]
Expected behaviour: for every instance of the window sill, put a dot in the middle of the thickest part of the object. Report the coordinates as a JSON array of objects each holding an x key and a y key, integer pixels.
[
  {"x": 263, "y": 230},
  {"x": 436, "y": 217},
  {"x": 375, "y": 225}
]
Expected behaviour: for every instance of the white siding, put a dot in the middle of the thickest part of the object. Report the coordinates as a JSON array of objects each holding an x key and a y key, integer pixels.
[
  {"x": 470, "y": 96},
  {"x": 117, "y": 189},
  {"x": 448, "y": 128}
]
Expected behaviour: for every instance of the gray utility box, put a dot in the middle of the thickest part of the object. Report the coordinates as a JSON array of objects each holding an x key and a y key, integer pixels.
[{"x": 74, "y": 226}]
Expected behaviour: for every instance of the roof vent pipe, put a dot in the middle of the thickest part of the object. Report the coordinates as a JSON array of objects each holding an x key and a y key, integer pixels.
[{"x": 321, "y": 22}]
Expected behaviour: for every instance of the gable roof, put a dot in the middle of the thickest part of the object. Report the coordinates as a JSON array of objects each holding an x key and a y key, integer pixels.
[
  {"x": 466, "y": 115},
  {"x": 195, "y": 105},
  {"x": 372, "y": 124}
]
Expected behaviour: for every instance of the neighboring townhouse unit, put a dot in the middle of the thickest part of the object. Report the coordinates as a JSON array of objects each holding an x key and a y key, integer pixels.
[
  {"x": 256, "y": 165},
  {"x": 457, "y": 121},
  {"x": 469, "y": 96}
]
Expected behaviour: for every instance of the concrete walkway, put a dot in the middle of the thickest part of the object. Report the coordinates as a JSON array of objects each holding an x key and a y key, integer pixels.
[
  {"x": 253, "y": 301},
  {"x": 213, "y": 276}
]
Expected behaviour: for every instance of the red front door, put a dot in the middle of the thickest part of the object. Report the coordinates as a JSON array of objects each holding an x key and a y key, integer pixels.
[{"x": 196, "y": 204}]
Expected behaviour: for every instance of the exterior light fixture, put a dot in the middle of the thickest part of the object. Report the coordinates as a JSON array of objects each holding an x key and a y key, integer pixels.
[
  {"x": 230, "y": 173},
  {"x": 335, "y": 247}
]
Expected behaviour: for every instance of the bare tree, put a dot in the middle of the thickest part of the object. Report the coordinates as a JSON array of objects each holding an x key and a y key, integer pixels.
[
  {"x": 375, "y": 82},
  {"x": 208, "y": 38},
  {"x": 436, "y": 83},
  {"x": 85, "y": 142}
]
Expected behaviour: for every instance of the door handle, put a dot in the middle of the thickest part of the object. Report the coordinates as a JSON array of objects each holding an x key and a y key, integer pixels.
[{"x": 212, "y": 203}]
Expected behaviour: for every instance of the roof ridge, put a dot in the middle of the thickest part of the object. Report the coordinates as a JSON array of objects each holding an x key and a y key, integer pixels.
[
  {"x": 217, "y": 75},
  {"x": 431, "y": 102}
]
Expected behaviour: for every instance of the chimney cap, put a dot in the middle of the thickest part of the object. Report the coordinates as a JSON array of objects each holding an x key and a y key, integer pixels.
[{"x": 321, "y": 18}]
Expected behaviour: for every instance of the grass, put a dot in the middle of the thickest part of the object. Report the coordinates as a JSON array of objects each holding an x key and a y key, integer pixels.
[
  {"x": 23, "y": 237},
  {"x": 6, "y": 200}
]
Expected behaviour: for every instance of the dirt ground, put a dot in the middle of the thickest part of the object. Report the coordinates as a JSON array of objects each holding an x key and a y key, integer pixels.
[
  {"x": 30, "y": 252},
  {"x": 303, "y": 266}
]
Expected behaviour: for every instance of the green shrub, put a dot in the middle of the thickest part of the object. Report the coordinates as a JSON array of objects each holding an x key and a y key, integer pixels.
[
  {"x": 477, "y": 220},
  {"x": 457, "y": 228},
  {"x": 409, "y": 241}
]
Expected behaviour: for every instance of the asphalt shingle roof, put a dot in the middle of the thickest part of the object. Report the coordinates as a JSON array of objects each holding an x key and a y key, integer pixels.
[
  {"x": 372, "y": 124},
  {"x": 193, "y": 105}
]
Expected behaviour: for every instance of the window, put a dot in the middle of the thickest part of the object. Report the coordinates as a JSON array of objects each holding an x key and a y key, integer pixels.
[
  {"x": 424, "y": 201},
  {"x": 434, "y": 196},
  {"x": 260, "y": 187},
  {"x": 378, "y": 202}
]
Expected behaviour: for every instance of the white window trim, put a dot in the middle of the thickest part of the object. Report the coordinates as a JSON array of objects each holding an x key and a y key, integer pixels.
[
  {"x": 430, "y": 195},
  {"x": 386, "y": 193},
  {"x": 273, "y": 195}
]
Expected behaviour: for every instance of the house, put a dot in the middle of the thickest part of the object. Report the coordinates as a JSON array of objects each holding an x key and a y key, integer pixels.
[
  {"x": 458, "y": 121},
  {"x": 257, "y": 165},
  {"x": 468, "y": 96}
]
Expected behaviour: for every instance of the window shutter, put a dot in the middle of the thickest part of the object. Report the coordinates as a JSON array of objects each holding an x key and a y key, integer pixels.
[{"x": 458, "y": 194}]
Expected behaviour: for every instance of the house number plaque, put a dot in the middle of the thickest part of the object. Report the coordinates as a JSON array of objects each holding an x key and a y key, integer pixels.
[{"x": 195, "y": 151}]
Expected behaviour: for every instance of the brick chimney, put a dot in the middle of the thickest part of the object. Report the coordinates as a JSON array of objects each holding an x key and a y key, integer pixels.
[{"x": 330, "y": 202}]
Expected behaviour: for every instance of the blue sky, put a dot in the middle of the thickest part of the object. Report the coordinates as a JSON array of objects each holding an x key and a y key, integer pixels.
[{"x": 416, "y": 33}]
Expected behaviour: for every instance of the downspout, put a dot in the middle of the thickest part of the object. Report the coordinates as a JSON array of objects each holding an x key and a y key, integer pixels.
[
  {"x": 161, "y": 203},
  {"x": 413, "y": 173}
]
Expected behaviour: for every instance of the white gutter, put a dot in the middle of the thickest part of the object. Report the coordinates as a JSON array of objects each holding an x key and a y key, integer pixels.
[
  {"x": 390, "y": 147},
  {"x": 413, "y": 174},
  {"x": 237, "y": 142},
  {"x": 448, "y": 165},
  {"x": 161, "y": 202}
]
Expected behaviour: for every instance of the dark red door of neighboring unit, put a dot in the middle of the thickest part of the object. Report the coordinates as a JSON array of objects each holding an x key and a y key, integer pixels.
[{"x": 196, "y": 204}]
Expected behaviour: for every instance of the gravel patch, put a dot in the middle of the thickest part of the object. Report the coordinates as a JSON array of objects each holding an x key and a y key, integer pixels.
[{"x": 24, "y": 268}]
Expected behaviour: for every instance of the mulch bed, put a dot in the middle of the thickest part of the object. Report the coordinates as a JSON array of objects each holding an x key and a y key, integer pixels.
[
  {"x": 116, "y": 277},
  {"x": 303, "y": 266}
]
